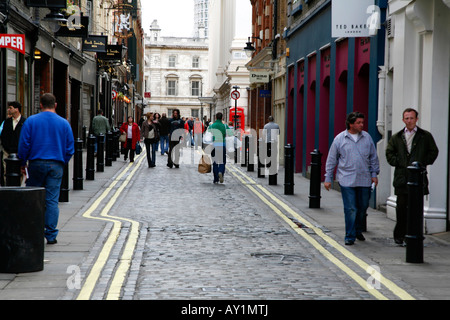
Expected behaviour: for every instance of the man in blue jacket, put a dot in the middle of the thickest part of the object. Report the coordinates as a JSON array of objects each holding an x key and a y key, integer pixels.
[{"x": 47, "y": 143}]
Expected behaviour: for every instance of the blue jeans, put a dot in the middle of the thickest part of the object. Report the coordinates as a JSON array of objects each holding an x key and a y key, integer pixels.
[
  {"x": 356, "y": 202},
  {"x": 218, "y": 161},
  {"x": 164, "y": 140},
  {"x": 97, "y": 139},
  {"x": 151, "y": 151},
  {"x": 48, "y": 174}
]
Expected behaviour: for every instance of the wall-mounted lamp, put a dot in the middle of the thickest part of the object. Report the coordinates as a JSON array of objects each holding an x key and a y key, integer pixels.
[
  {"x": 55, "y": 18},
  {"x": 249, "y": 48}
]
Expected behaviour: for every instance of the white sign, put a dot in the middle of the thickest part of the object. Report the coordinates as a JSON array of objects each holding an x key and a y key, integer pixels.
[
  {"x": 354, "y": 18},
  {"x": 259, "y": 77},
  {"x": 235, "y": 95}
]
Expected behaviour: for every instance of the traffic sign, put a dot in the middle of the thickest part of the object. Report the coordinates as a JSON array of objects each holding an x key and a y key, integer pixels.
[
  {"x": 235, "y": 95},
  {"x": 114, "y": 94}
]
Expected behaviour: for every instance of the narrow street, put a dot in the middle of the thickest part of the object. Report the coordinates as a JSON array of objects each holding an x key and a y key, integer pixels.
[{"x": 176, "y": 235}]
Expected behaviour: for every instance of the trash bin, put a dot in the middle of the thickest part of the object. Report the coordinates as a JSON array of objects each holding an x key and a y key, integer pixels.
[{"x": 22, "y": 215}]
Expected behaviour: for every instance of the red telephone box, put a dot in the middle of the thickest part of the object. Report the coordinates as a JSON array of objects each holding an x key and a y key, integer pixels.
[{"x": 240, "y": 117}]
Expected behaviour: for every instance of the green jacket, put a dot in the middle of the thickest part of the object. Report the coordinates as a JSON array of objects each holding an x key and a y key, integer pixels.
[
  {"x": 220, "y": 126},
  {"x": 423, "y": 150},
  {"x": 100, "y": 124}
]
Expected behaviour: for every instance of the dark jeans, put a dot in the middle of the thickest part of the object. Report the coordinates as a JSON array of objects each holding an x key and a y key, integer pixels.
[
  {"x": 356, "y": 202},
  {"x": 47, "y": 174},
  {"x": 129, "y": 148},
  {"x": 218, "y": 156},
  {"x": 174, "y": 154},
  {"x": 151, "y": 152}
]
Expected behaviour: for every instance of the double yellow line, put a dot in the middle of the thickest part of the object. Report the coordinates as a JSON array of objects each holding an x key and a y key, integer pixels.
[
  {"x": 264, "y": 195},
  {"x": 127, "y": 254}
]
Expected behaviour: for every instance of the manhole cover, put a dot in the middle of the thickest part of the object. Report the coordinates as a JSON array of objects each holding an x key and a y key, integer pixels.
[{"x": 281, "y": 257}]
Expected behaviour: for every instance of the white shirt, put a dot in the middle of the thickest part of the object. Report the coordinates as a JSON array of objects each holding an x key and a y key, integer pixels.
[{"x": 130, "y": 131}]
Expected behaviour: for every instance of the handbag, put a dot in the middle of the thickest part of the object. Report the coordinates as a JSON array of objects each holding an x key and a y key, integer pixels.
[
  {"x": 204, "y": 165},
  {"x": 123, "y": 137},
  {"x": 138, "y": 148},
  {"x": 151, "y": 134}
]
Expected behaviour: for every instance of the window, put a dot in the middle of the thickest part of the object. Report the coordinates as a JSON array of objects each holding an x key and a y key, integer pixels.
[
  {"x": 195, "y": 88},
  {"x": 195, "y": 62},
  {"x": 195, "y": 113},
  {"x": 172, "y": 61},
  {"x": 171, "y": 87}
]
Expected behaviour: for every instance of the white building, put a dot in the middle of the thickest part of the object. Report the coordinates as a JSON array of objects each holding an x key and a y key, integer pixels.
[
  {"x": 175, "y": 73},
  {"x": 417, "y": 74},
  {"x": 201, "y": 14},
  {"x": 229, "y": 29}
]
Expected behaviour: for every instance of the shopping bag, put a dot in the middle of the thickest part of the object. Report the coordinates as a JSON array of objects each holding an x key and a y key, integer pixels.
[
  {"x": 123, "y": 137},
  {"x": 204, "y": 165},
  {"x": 138, "y": 148}
]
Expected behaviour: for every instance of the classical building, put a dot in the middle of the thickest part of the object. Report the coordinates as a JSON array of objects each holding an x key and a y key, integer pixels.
[{"x": 175, "y": 73}]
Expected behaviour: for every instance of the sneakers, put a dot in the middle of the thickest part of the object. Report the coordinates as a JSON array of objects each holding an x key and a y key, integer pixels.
[{"x": 221, "y": 177}]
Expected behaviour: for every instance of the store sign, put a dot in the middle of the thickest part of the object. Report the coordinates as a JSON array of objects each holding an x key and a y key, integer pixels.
[
  {"x": 74, "y": 28},
  {"x": 113, "y": 52},
  {"x": 354, "y": 18},
  {"x": 259, "y": 77},
  {"x": 13, "y": 41},
  {"x": 95, "y": 43}
]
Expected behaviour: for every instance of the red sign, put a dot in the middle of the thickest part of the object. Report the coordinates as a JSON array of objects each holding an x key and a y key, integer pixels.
[
  {"x": 235, "y": 95},
  {"x": 13, "y": 41},
  {"x": 147, "y": 94},
  {"x": 114, "y": 94}
]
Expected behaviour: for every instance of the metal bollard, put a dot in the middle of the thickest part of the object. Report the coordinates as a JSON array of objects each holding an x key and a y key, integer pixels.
[
  {"x": 272, "y": 177},
  {"x": 78, "y": 165},
  {"x": 116, "y": 145},
  {"x": 250, "y": 154},
  {"x": 64, "y": 189},
  {"x": 289, "y": 169},
  {"x": 261, "y": 165},
  {"x": 414, "y": 225},
  {"x": 314, "y": 184},
  {"x": 109, "y": 146},
  {"x": 101, "y": 153},
  {"x": 90, "y": 159},
  {"x": 83, "y": 136},
  {"x": 13, "y": 171},
  {"x": 245, "y": 152}
]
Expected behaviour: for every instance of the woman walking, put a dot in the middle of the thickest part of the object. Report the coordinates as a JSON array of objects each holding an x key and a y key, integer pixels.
[
  {"x": 131, "y": 129},
  {"x": 150, "y": 134}
]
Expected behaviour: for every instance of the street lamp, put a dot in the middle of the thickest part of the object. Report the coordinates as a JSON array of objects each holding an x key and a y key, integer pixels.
[{"x": 249, "y": 48}]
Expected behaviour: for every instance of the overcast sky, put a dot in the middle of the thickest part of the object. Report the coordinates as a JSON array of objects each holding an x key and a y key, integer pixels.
[{"x": 175, "y": 17}]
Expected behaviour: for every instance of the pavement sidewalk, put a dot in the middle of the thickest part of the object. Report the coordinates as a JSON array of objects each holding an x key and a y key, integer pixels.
[
  {"x": 78, "y": 240},
  {"x": 430, "y": 279}
]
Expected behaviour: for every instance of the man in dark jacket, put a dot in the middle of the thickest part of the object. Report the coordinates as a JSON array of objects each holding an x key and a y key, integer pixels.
[
  {"x": 175, "y": 134},
  {"x": 164, "y": 134},
  {"x": 11, "y": 130},
  {"x": 405, "y": 147}
]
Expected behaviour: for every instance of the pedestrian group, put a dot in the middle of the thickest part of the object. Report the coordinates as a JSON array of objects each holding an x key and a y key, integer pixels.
[{"x": 44, "y": 143}]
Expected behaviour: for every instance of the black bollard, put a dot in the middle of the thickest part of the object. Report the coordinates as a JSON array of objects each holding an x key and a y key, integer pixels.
[
  {"x": 273, "y": 172},
  {"x": 83, "y": 136},
  {"x": 245, "y": 152},
  {"x": 261, "y": 160},
  {"x": 78, "y": 165},
  {"x": 13, "y": 171},
  {"x": 101, "y": 153},
  {"x": 109, "y": 151},
  {"x": 414, "y": 222},
  {"x": 314, "y": 183},
  {"x": 289, "y": 169},
  {"x": 250, "y": 154},
  {"x": 116, "y": 145},
  {"x": 64, "y": 189},
  {"x": 90, "y": 158}
]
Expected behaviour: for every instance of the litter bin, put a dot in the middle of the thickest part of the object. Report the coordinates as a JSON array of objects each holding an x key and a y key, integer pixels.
[{"x": 22, "y": 215}]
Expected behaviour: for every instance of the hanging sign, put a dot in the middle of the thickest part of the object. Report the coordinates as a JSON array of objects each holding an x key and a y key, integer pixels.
[
  {"x": 13, "y": 41},
  {"x": 95, "y": 43},
  {"x": 354, "y": 18},
  {"x": 113, "y": 52}
]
